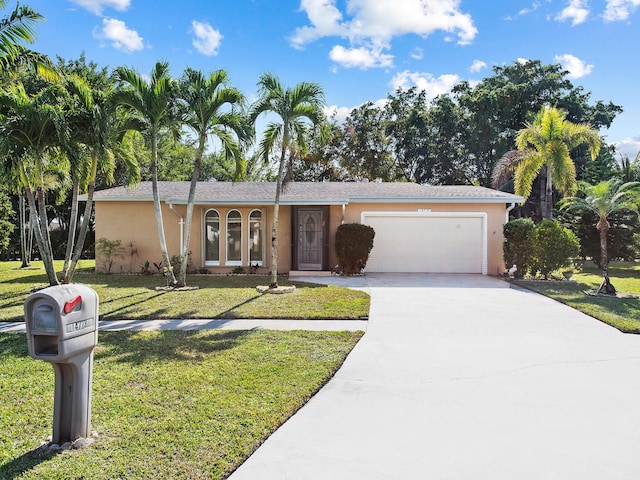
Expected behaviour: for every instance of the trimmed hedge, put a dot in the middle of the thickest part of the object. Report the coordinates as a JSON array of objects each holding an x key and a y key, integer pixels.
[
  {"x": 542, "y": 248},
  {"x": 517, "y": 246},
  {"x": 353, "y": 244}
]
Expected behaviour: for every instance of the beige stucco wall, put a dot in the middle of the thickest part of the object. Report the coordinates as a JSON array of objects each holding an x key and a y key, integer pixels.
[{"x": 133, "y": 223}]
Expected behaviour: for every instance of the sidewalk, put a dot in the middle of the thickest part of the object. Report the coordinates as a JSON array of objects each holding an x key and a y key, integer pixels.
[{"x": 264, "y": 324}]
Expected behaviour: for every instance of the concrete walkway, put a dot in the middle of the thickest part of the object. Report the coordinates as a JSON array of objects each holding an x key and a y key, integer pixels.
[
  {"x": 462, "y": 377},
  {"x": 265, "y": 324}
]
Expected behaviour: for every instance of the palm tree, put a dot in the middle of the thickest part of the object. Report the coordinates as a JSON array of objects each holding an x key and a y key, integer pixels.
[
  {"x": 546, "y": 144},
  {"x": 604, "y": 199},
  {"x": 15, "y": 30},
  {"x": 31, "y": 132},
  {"x": 296, "y": 107},
  {"x": 205, "y": 98},
  {"x": 153, "y": 108},
  {"x": 96, "y": 141}
]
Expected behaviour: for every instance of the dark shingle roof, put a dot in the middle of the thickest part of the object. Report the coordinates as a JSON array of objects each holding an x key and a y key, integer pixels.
[{"x": 301, "y": 193}]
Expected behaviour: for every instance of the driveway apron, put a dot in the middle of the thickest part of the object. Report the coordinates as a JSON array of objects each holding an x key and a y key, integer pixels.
[{"x": 463, "y": 377}]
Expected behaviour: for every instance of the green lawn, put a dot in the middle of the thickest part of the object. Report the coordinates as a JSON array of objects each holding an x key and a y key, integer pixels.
[
  {"x": 135, "y": 296},
  {"x": 623, "y": 314},
  {"x": 166, "y": 405}
]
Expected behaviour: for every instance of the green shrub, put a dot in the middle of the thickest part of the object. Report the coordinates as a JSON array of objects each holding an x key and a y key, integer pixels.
[
  {"x": 553, "y": 247},
  {"x": 354, "y": 242},
  {"x": 517, "y": 248}
]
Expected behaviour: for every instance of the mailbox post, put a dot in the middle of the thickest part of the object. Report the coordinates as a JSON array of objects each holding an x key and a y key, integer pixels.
[{"x": 62, "y": 328}]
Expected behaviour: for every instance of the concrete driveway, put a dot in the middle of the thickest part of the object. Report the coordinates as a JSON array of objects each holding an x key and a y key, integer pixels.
[{"x": 462, "y": 377}]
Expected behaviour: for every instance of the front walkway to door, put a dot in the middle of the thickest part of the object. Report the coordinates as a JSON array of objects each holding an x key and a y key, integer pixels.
[{"x": 462, "y": 377}]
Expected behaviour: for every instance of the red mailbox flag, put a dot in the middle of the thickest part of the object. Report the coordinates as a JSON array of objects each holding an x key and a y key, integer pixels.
[{"x": 71, "y": 304}]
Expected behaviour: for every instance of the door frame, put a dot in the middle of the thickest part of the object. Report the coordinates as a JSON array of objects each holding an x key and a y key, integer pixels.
[{"x": 325, "y": 247}]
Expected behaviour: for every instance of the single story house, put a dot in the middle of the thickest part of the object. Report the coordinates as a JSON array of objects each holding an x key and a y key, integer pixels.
[{"x": 419, "y": 228}]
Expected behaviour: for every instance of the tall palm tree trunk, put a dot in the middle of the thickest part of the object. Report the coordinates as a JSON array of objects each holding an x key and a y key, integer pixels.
[
  {"x": 86, "y": 218},
  {"x": 45, "y": 251},
  {"x": 71, "y": 235},
  {"x": 548, "y": 196},
  {"x": 276, "y": 211},
  {"x": 158, "y": 212},
  {"x": 605, "y": 285},
  {"x": 24, "y": 251},
  {"x": 182, "y": 275}
]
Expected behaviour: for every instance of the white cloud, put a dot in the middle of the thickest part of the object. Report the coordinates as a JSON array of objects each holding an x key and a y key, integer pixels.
[
  {"x": 367, "y": 22},
  {"x": 340, "y": 114},
  {"x": 360, "y": 57},
  {"x": 477, "y": 65},
  {"x": 121, "y": 37},
  {"x": 629, "y": 147},
  {"x": 576, "y": 11},
  {"x": 432, "y": 86},
  {"x": 577, "y": 68},
  {"x": 97, "y": 6},
  {"x": 207, "y": 39},
  {"x": 417, "y": 53},
  {"x": 533, "y": 8},
  {"x": 620, "y": 9}
]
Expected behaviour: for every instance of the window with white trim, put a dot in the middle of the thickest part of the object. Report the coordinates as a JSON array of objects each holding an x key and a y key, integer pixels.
[
  {"x": 212, "y": 238},
  {"x": 256, "y": 238},
  {"x": 234, "y": 238}
]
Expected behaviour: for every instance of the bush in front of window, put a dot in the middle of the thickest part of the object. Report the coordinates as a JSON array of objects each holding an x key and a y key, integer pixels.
[{"x": 353, "y": 244}]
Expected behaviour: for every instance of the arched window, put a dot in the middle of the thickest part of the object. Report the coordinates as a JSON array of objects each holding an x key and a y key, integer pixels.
[
  {"x": 212, "y": 238},
  {"x": 234, "y": 238},
  {"x": 256, "y": 238}
]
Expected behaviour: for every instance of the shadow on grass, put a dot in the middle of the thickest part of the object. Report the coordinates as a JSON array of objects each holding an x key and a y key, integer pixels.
[
  {"x": 13, "y": 344},
  {"x": 24, "y": 463},
  {"x": 166, "y": 345}
]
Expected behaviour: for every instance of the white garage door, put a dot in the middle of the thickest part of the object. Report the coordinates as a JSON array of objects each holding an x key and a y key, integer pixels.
[{"x": 432, "y": 243}]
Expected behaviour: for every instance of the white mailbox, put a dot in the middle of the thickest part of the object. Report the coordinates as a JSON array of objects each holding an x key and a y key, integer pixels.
[
  {"x": 61, "y": 322},
  {"x": 62, "y": 328}
]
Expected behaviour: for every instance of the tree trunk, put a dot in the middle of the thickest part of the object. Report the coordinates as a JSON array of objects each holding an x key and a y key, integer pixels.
[
  {"x": 548, "y": 196},
  {"x": 276, "y": 208},
  {"x": 71, "y": 235},
  {"x": 84, "y": 228},
  {"x": 184, "y": 255},
  {"x": 605, "y": 286},
  {"x": 158, "y": 211},
  {"x": 26, "y": 257},
  {"x": 45, "y": 251}
]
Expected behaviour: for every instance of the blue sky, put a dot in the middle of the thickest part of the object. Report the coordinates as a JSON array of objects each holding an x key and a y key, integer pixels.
[{"x": 361, "y": 50}]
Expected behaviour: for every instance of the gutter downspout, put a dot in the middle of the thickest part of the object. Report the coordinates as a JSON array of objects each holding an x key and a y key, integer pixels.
[
  {"x": 509, "y": 208},
  {"x": 344, "y": 206},
  {"x": 181, "y": 226}
]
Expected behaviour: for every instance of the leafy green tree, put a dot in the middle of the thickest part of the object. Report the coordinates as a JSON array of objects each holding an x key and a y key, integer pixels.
[
  {"x": 629, "y": 170},
  {"x": 210, "y": 113},
  {"x": 621, "y": 243},
  {"x": 547, "y": 142},
  {"x": 296, "y": 107},
  {"x": 16, "y": 30},
  {"x": 603, "y": 200},
  {"x": 96, "y": 140},
  {"x": 322, "y": 162},
  {"x": 366, "y": 150},
  {"x": 152, "y": 107},
  {"x": 32, "y": 131},
  {"x": 6, "y": 227},
  {"x": 493, "y": 111}
]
